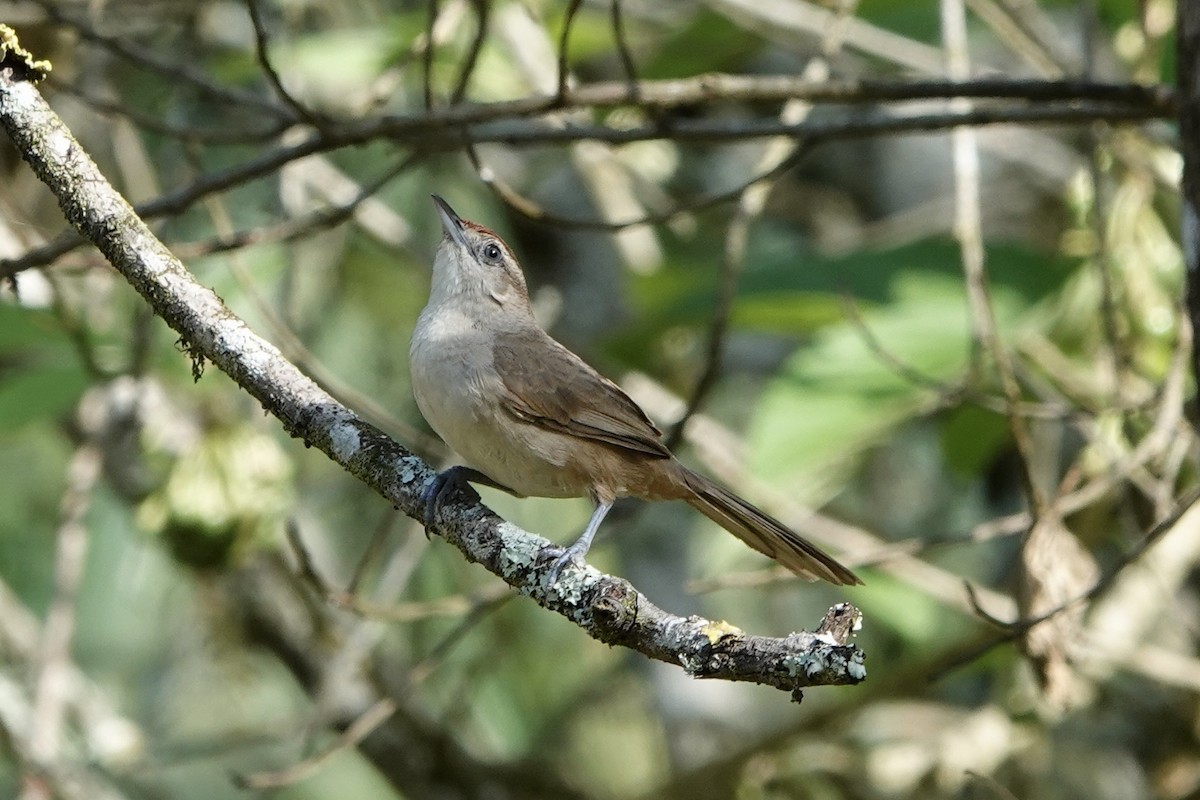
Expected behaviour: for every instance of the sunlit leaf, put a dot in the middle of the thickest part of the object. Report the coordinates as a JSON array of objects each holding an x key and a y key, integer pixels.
[{"x": 849, "y": 388}]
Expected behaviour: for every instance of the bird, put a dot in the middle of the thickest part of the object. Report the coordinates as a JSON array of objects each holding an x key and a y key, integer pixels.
[{"x": 531, "y": 418}]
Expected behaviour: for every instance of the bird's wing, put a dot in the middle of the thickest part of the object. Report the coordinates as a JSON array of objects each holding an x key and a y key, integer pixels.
[{"x": 559, "y": 391}]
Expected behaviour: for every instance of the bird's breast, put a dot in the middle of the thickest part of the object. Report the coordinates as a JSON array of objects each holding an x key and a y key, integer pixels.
[{"x": 459, "y": 393}]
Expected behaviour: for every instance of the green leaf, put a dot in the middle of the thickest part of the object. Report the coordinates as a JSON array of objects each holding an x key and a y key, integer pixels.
[
  {"x": 29, "y": 394},
  {"x": 837, "y": 397}
]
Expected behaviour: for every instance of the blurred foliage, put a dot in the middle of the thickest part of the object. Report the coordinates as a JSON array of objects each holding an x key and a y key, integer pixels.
[{"x": 855, "y": 401}]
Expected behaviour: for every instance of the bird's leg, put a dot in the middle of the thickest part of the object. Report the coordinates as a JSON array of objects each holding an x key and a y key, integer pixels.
[
  {"x": 575, "y": 553},
  {"x": 448, "y": 480}
]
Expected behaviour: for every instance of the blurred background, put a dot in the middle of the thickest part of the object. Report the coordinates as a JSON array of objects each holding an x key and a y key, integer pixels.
[{"x": 956, "y": 360}]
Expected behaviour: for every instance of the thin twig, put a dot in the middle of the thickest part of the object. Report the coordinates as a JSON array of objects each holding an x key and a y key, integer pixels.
[
  {"x": 733, "y": 258},
  {"x": 751, "y": 204},
  {"x": 414, "y": 611},
  {"x": 379, "y": 539},
  {"x": 482, "y": 9},
  {"x": 1032, "y": 20},
  {"x": 564, "y": 39},
  {"x": 300, "y": 227},
  {"x": 1115, "y": 354},
  {"x": 163, "y": 68},
  {"x": 218, "y": 136},
  {"x": 1018, "y": 38},
  {"x": 952, "y": 394},
  {"x": 262, "y": 53},
  {"x": 623, "y": 51},
  {"x": 480, "y": 610},
  {"x": 354, "y": 733},
  {"x": 295, "y": 349},
  {"x": 452, "y": 606},
  {"x": 51, "y": 685},
  {"x": 535, "y": 212},
  {"x": 427, "y": 55},
  {"x": 1019, "y": 627},
  {"x": 968, "y": 227}
]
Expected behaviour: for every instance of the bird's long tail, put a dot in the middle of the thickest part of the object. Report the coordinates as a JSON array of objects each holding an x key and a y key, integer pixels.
[{"x": 764, "y": 533}]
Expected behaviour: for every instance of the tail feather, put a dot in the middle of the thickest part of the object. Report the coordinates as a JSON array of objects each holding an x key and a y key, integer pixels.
[{"x": 764, "y": 533}]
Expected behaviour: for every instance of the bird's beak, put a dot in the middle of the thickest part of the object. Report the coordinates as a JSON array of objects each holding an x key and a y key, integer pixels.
[{"x": 451, "y": 222}]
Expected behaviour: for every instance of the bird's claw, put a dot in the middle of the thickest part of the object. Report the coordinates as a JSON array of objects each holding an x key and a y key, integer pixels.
[
  {"x": 566, "y": 555},
  {"x": 432, "y": 498},
  {"x": 436, "y": 492}
]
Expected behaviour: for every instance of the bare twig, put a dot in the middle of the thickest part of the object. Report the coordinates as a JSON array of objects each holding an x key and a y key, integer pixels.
[
  {"x": 54, "y": 661},
  {"x": 532, "y": 210},
  {"x": 479, "y": 610},
  {"x": 262, "y": 53},
  {"x": 482, "y": 10},
  {"x": 1188, "y": 38},
  {"x": 268, "y": 599},
  {"x": 750, "y": 206},
  {"x": 458, "y": 605},
  {"x": 1019, "y": 627},
  {"x": 354, "y": 733},
  {"x": 626, "y": 55},
  {"x": 564, "y": 40},
  {"x": 968, "y": 226},
  {"x": 374, "y": 549},
  {"x": 225, "y": 135},
  {"x": 1010, "y": 29},
  {"x": 1115, "y": 354},
  {"x": 295, "y": 349},
  {"x": 1032, "y": 22},
  {"x": 452, "y": 606},
  {"x": 180, "y": 73},
  {"x": 733, "y": 257},
  {"x": 427, "y": 55},
  {"x": 298, "y": 227}
]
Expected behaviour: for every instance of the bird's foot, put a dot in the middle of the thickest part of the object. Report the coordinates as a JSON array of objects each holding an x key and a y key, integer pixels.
[
  {"x": 575, "y": 553},
  {"x": 572, "y": 555},
  {"x": 442, "y": 486}
]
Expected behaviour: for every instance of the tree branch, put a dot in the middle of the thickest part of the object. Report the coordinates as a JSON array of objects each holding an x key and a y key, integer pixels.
[
  {"x": 513, "y": 123},
  {"x": 608, "y": 608}
]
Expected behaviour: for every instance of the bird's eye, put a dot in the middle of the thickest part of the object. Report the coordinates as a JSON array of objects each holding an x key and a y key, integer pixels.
[{"x": 491, "y": 253}]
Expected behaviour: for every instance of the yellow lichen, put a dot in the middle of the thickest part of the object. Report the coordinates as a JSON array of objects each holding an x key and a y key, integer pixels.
[
  {"x": 19, "y": 59},
  {"x": 716, "y": 631}
]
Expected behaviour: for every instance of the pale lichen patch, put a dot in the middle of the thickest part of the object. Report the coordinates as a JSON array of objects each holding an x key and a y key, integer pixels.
[
  {"x": 518, "y": 550},
  {"x": 345, "y": 441},
  {"x": 409, "y": 467}
]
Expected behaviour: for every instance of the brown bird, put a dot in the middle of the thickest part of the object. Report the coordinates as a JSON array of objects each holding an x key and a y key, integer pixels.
[{"x": 531, "y": 418}]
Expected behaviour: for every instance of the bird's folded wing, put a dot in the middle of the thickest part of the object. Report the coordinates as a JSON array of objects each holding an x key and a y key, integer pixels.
[{"x": 560, "y": 392}]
